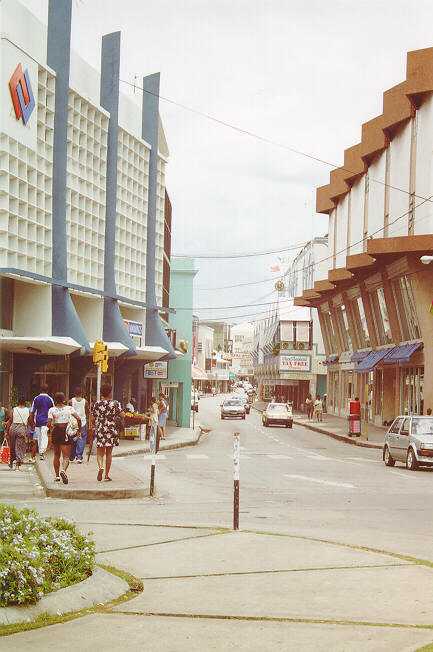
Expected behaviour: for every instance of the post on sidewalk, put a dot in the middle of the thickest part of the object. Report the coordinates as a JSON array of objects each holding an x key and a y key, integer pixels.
[
  {"x": 152, "y": 446},
  {"x": 236, "y": 465}
]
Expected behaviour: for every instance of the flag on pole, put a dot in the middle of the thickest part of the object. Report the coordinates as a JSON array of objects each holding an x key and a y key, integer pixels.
[{"x": 274, "y": 268}]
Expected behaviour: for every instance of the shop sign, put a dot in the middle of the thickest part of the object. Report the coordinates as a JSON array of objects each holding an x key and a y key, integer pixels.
[
  {"x": 295, "y": 363},
  {"x": 157, "y": 369},
  {"x": 134, "y": 327},
  {"x": 22, "y": 94},
  {"x": 168, "y": 385}
]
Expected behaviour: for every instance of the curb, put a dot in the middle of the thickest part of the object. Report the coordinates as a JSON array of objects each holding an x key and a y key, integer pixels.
[
  {"x": 334, "y": 435},
  {"x": 105, "y": 493},
  {"x": 101, "y": 586}
]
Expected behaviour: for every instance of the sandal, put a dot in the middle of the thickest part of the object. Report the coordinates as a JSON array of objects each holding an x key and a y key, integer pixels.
[
  {"x": 107, "y": 479},
  {"x": 99, "y": 476}
]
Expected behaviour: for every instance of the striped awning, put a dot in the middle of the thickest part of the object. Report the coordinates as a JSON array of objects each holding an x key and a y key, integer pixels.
[
  {"x": 359, "y": 355},
  {"x": 197, "y": 373},
  {"x": 402, "y": 353},
  {"x": 370, "y": 361}
]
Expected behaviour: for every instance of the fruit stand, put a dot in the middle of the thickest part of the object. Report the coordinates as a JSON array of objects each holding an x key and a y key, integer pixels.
[{"x": 136, "y": 426}]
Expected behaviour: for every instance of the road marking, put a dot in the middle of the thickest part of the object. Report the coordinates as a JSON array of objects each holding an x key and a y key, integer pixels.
[
  {"x": 280, "y": 457},
  {"x": 402, "y": 474},
  {"x": 197, "y": 457},
  {"x": 346, "y": 485}
]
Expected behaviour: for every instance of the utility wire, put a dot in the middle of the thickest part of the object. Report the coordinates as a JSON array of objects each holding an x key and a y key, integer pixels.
[
  {"x": 262, "y": 139},
  {"x": 247, "y": 255}
]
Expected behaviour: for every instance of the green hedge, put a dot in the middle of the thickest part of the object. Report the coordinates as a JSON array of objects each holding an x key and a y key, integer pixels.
[{"x": 39, "y": 555}]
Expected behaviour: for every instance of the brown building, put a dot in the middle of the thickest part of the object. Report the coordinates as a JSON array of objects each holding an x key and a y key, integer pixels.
[{"x": 374, "y": 304}]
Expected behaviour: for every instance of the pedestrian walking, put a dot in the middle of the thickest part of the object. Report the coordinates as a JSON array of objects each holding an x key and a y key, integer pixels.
[
  {"x": 16, "y": 429},
  {"x": 81, "y": 407},
  {"x": 105, "y": 417},
  {"x": 162, "y": 415},
  {"x": 309, "y": 405},
  {"x": 39, "y": 416},
  {"x": 60, "y": 418},
  {"x": 318, "y": 408},
  {"x": 4, "y": 417}
]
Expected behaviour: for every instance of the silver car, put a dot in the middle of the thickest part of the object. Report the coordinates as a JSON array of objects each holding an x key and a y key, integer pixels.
[
  {"x": 232, "y": 408},
  {"x": 409, "y": 440}
]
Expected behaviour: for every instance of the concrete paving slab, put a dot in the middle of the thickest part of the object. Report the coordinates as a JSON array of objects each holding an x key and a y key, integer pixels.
[
  {"x": 110, "y": 536},
  {"x": 239, "y": 552},
  {"x": 111, "y": 633},
  {"x": 399, "y": 595}
]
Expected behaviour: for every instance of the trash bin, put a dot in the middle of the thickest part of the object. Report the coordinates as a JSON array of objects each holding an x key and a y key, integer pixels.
[{"x": 354, "y": 419}]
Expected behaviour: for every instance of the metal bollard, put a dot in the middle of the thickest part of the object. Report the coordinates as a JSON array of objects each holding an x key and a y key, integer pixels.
[
  {"x": 152, "y": 446},
  {"x": 236, "y": 465}
]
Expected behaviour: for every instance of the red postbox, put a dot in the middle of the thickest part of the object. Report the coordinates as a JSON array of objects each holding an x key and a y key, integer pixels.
[{"x": 354, "y": 418}]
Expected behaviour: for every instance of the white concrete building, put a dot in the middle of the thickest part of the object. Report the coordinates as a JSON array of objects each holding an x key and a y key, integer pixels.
[
  {"x": 241, "y": 336},
  {"x": 83, "y": 207}
]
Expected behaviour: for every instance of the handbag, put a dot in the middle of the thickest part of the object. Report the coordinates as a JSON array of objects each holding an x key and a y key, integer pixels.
[
  {"x": 5, "y": 452},
  {"x": 71, "y": 431}
]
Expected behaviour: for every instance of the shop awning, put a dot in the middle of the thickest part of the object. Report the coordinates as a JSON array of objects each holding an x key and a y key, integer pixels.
[
  {"x": 331, "y": 358},
  {"x": 150, "y": 353},
  {"x": 232, "y": 375},
  {"x": 370, "y": 361},
  {"x": 45, "y": 345},
  {"x": 359, "y": 355},
  {"x": 402, "y": 353},
  {"x": 197, "y": 373}
]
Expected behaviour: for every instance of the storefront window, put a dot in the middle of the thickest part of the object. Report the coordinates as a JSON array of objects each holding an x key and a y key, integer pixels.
[
  {"x": 360, "y": 323},
  {"x": 412, "y": 390},
  {"x": 380, "y": 316},
  {"x": 406, "y": 310}
]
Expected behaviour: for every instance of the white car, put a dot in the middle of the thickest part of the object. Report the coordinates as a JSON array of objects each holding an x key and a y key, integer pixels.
[{"x": 232, "y": 407}]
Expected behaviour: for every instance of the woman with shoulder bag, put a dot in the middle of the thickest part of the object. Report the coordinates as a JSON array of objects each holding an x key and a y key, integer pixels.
[
  {"x": 64, "y": 424},
  {"x": 16, "y": 433},
  {"x": 106, "y": 415}
]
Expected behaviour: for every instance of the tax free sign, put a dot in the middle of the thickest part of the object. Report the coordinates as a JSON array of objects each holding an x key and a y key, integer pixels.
[{"x": 295, "y": 363}]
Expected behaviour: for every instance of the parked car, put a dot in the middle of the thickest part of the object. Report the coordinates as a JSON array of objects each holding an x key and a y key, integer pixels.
[
  {"x": 278, "y": 413},
  {"x": 409, "y": 440},
  {"x": 232, "y": 408},
  {"x": 194, "y": 400},
  {"x": 244, "y": 400}
]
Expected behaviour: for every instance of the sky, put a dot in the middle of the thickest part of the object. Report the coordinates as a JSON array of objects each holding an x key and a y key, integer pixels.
[{"x": 304, "y": 74}]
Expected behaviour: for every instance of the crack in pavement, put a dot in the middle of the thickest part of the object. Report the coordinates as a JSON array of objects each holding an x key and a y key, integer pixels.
[
  {"x": 277, "y": 570},
  {"x": 160, "y": 543},
  {"x": 313, "y": 621}
]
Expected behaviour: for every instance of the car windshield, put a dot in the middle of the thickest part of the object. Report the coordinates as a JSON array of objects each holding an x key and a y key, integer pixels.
[
  {"x": 422, "y": 426},
  {"x": 232, "y": 403},
  {"x": 277, "y": 406}
]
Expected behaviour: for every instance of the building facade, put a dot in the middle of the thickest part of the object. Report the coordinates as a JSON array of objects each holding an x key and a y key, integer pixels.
[
  {"x": 85, "y": 219},
  {"x": 373, "y": 304},
  {"x": 241, "y": 337}
]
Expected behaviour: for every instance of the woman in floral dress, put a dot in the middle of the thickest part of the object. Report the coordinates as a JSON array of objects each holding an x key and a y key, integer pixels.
[{"x": 105, "y": 415}]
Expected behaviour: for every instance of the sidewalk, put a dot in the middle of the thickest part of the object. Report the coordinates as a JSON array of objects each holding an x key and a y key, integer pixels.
[
  {"x": 219, "y": 590},
  {"x": 336, "y": 427},
  {"x": 83, "y": 484}
]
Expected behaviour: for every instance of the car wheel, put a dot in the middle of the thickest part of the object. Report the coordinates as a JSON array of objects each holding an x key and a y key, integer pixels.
[
  {"x": 411, "y": 461},
  {"x": 387, "y": 457}
]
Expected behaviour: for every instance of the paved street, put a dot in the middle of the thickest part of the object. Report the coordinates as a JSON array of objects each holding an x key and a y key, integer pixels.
[{"x": 331, "y": 581}]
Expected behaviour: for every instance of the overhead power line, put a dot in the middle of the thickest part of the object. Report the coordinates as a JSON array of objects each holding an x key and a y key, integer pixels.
[
  {"x": 262, "y": 139},
  {"x": 246, "y": 255}
]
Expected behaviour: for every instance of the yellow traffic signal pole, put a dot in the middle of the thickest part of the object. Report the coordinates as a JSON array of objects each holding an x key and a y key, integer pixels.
[{"x": 100, "y": 358}]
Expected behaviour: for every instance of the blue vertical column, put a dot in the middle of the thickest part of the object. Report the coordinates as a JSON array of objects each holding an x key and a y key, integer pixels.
[
  {"x": 65, "y": 321},
  {"x": 155, "y": 333},
  {"x": 114, "y": 329}
]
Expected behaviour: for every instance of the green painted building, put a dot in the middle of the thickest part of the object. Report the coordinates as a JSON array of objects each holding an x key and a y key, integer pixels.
[{"x": 178, "y": 382}]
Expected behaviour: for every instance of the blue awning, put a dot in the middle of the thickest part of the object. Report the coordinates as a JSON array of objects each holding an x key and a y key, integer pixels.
[
  {"x": 331, "y": 358},
  {"x": 370, "y": 361},
  {"x": 402, "y": 353},
  {"x": 359, "y": 355}
]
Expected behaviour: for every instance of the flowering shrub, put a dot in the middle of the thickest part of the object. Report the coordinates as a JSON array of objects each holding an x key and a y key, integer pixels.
[{"x": 39, "y": 555}]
